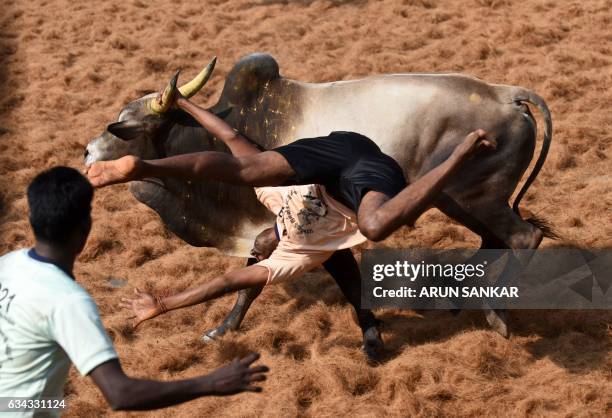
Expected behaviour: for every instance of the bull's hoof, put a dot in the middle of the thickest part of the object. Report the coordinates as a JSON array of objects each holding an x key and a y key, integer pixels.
[
  {"x": 498, "y": 321},
  {"x": 373, "y": 345},
  {"x": 214, "y": 334}
]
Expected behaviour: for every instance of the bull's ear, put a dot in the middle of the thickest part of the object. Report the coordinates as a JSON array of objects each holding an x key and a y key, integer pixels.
[{"x": 127, "y": 129}]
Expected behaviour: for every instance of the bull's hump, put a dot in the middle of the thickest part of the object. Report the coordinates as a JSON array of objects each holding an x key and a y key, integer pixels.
[{"x": 411, "y": 78}]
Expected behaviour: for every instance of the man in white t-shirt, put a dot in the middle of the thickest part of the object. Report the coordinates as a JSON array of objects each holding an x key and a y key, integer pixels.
[{"x": 48, "y": 321}]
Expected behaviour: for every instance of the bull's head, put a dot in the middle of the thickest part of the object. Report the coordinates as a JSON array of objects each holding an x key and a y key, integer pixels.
[
  {"x": 142, "y": 123},
  {"x": 202, "y": 213}
]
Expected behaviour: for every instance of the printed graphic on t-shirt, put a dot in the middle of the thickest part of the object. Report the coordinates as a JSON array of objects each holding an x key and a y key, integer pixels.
[
  {"x": 6, "y": 298},
  {"x": 302, "y": 210}
]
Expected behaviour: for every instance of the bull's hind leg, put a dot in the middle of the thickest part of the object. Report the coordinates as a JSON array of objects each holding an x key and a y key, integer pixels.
[
  {"x": 517, "y": 234},
  {"x": 496, "y": 223},
  {"x": 500, "y": 228},
  {"x": 478, "y": 198}
]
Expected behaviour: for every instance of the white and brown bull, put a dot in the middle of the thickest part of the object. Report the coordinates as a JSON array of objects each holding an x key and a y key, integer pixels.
[{"x": 417, "y": 119}]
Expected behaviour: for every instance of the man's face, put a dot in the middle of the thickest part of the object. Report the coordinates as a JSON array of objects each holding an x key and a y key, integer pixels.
[{"x": 265, "y": 244}]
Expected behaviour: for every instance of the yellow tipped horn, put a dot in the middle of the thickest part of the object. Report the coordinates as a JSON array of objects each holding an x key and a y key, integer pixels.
[
  {"x": 198, "y": 82},
  {"x": 166, "y": 97}
]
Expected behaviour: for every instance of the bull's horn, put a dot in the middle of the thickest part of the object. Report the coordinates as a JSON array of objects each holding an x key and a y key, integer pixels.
[
  {"x": 166, "y": 97},
  {"x": 198, "y": 82}
]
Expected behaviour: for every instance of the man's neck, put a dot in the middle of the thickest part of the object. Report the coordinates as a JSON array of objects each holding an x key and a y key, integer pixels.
[{"x": 61, "y": 257}]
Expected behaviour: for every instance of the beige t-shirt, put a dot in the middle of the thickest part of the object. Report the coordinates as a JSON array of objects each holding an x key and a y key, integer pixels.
[{"x": 311, "y": 226}]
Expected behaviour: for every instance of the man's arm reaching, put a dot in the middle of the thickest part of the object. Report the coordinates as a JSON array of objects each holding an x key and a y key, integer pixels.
[
  {"x": 125, "y": 393},
  {"x": 146, "y": 306},
  {"x": 238, "y": 145}
]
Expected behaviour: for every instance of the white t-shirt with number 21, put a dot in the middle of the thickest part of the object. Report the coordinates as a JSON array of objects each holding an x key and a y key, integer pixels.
[{"x": 47, "y": 321}]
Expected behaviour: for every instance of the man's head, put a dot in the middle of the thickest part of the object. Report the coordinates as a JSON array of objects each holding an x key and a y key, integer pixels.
[
  {"x": 60, "y": 208},
  {"x": 265, "y": 244}
]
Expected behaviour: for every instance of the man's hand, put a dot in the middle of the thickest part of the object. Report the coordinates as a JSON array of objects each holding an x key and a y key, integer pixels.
[
  {"x": 474, "y": 142},
  {"x": 126, "y": 393},
  {"x": 174, "y": 97},
  {"x": 143, "y": 307},
  {"x": 237, "y": 377},
  {"x": 105, "y": 173}
]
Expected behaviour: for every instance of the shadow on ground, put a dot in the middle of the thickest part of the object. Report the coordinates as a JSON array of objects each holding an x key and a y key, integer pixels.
[{"x": 578, "y": 341}]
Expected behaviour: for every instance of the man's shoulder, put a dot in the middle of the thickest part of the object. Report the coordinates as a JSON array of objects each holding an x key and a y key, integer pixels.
[
  {"x": 12, "y": 256},
  {"x": 13, "y": 265},
  {"x": 18, "y": 269}
]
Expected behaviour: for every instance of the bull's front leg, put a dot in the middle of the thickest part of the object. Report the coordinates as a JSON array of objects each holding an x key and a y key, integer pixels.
[{"x": 233, "y": 320}]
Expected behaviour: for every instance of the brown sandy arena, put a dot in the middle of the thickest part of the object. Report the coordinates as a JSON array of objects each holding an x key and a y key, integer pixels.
[{"x": 68, "y": 67}]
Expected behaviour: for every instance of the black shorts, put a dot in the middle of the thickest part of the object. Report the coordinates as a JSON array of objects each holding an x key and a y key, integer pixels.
[{"x": 346, "y": 163}]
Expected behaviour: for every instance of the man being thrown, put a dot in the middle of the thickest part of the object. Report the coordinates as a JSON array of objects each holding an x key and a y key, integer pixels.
[
  {"x": 311, "y": 229},
  {"x": 356, "y": 176},
  {"x": 48, "y": 321}
]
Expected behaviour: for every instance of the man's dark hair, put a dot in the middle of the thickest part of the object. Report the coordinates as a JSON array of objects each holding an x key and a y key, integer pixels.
[{"x": 60, "y": 203}]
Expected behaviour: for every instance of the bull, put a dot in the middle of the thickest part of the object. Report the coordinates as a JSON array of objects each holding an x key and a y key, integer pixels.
[{"x": 418, "y": 119}]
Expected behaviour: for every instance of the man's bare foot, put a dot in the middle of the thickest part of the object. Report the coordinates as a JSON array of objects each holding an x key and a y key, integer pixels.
[{"x": 105, "y": 173}]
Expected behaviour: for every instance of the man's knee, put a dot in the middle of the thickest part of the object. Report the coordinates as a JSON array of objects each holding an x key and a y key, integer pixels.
[
  {"x": 370, "y": 217},
  {"x": 372, "y": 229}
]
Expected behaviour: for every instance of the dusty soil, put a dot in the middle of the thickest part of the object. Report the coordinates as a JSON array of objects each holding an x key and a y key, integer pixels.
[{"x": 66, "y": 69}]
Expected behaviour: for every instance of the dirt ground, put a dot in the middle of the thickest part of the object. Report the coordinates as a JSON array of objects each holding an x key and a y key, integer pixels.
[{"x": 66, "y": 69}]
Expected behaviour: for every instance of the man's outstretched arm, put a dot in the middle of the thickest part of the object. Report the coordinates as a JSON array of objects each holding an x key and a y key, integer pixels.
[
  {"x": 146, "y": 306},
  {"x": 238, "y": 145},
  {"x": 125, "y": 393}
]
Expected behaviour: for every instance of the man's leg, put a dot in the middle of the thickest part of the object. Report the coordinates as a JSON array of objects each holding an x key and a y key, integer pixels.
[
  {"x": 262, "y": 169},
  {"x": 379, "y": 215},
  {"x": 343, "y": 267}
]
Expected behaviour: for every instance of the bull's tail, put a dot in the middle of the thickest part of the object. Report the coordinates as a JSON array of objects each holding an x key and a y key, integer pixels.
[
  {"x": 523, "y": 95},
  {"x": 544, "y": 226}
]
